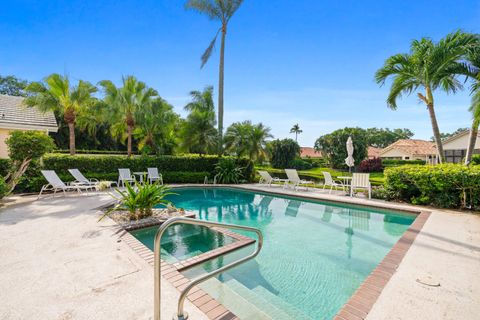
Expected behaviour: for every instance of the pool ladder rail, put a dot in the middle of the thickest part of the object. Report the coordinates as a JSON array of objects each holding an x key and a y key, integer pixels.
[{"x": 181, "y": 314}]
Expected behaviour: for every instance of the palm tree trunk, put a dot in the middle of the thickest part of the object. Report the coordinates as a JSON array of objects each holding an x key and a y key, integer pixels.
[
  {"x": 433, "y": 119},
  {"x": 220, "y": 89},
  {"x": 129, "y": 140},
  {"x": 472, "y": 141},
  {"x": 71, "y": 133},
  {"x": 296, "y": 135}
]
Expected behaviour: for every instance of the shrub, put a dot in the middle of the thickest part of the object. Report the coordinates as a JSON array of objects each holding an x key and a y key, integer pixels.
[
  {"x": 5, "y": 166},
  {"x": 3, "y": 188},
  {"x": 476, "y": 159},
  {"x": 300, "y": 164},
  {"x": 66, "y": 151},
  {"x": 445, "y": 185},
  {"x": 316, "y": 162},
  {"x": 228, "y": 171},
  {"x": 283, "y": 153},
  {"x": 371, "y": 165},
  {"x": 395, "y": 162}
]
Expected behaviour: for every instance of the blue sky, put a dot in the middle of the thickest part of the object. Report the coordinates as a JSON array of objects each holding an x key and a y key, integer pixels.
[{"x": 307, "y": 62}]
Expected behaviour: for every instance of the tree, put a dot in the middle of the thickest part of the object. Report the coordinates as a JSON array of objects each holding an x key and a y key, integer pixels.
[
  {"x": 381, "y": 138},
  {"x": 198, "y": 133},
  {"x": 429, "y": 66},
  {"x": 333, "y": 146},
  {"x": 474, "y": 59},
  {"x": 223, "y": 11},
  {"x": 125, "y": 103},
  {"x": 296, "y": 129},
  {"x": 23, "y": 147},
  {"x": 13, "y": 86},
  {"x": 247, "y": 139},
  {"x": 156, "y": 125},
  {"x": 283, "y": 152},
  {"x": 75, "y": 104},
  {"x": 445, "y": 135}
]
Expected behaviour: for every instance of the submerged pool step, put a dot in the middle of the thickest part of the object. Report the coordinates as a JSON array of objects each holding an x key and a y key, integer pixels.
[
  {"x": 279, "y": 303},
  {"x": 233, "y": 301},
  {"x": 254, "y": 298}
]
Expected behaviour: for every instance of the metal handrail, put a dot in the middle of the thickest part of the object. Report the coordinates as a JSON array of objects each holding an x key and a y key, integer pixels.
[{"x": 181, "y": 315}]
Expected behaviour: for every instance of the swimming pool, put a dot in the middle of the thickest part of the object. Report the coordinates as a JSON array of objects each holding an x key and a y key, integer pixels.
[{"x": 315, "y": 254}]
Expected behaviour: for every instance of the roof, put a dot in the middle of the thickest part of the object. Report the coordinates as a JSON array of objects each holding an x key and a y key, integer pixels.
[
  {"x": 412, "y": 147},
  {"x": 458, "y": 135},
  {"x": 14, "y": 115},
  {"x": 309, "y": 152},
  {"x": 374, "y": 152}
]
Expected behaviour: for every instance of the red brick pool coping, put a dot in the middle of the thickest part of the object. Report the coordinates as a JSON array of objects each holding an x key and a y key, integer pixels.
[{"x": 362, "y": 301}]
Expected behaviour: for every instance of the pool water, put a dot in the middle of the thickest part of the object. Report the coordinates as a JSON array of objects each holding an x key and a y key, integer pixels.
[
  {"x": 181, "y": 242},
  {"x": 315, "y": 254}
]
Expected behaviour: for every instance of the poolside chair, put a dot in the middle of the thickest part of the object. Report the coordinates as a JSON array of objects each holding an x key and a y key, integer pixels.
[
  {"x": 153, "y": 175},
  {"x": 267, "y": 179},
  {"x": 295, "y": 180},
  {"x": 361, "y": 181},
  {"x": 55, "y": 183},
  {"x": 81, "y": 179},
  {"x": 124, "y": 175},
  {"x": 329, "y": 182}
]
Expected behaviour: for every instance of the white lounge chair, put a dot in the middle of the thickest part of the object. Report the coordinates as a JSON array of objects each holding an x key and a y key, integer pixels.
[
  {"x": 81, "y": 179},
  {"x": 266, "y": 178},
  {"x": 153, "y": 175},
  {"x": 295, "y": 180},
  {"x": 329, "y": 182},
  {"x": 124, "y": 175},
  {"x": 55, "y": 183},
  {"x": 361, "y": 181}
]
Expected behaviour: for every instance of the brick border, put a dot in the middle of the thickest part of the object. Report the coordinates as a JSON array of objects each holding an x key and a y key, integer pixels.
[{"x": 363, "y": 299}]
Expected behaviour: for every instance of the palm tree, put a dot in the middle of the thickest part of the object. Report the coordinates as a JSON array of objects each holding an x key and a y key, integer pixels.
[
  {"x": 125, "y": 104},
  {"x": 75, "y": 104},
  {"x": 247, "y": 139},
  {"x": 296, "y": 129},
  {"x": 474, "y": 59},
  {"x": 429, "y": 66},
  {"x": 223, "y": 11}
]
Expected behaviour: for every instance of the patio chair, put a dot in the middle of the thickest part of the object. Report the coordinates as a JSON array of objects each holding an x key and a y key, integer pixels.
[
  {"x": 124, "y": 175},
  {"x": 267, "y": 179},
  {"x": 330, "y": 182},
  {"x": 361, "y": 181},
  {"x": 295, "y": 180},
  {"x": 81, "y": 179},
  {"x": 153, "y": 175},
  {"x": 55, "y": 183}
]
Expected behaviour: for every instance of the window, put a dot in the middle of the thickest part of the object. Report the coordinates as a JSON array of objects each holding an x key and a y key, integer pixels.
[{"x": 455, "y": 156}]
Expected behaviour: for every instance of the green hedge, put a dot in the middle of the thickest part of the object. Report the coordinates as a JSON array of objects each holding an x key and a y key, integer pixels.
[
  {"x": 396, "y": 163},
  {"x": 66, "y": 151},
  {"x": 446, "y": 185},
  {"x": 174, "y": 169}
]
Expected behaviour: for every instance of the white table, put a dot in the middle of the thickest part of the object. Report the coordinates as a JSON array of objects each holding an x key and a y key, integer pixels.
[{"x": 141, "y": 175}]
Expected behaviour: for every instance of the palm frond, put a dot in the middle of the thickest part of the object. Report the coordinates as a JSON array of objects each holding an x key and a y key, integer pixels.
[{"x": 208, "y": 52}]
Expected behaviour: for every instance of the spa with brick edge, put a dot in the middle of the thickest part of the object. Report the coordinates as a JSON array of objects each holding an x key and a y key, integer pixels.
[{"x": 362, "y": 301}]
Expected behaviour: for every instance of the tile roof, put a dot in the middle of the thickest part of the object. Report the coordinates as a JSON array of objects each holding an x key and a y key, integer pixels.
[
  {"x": 374, "y": 152},
  {"x": 413, "y": 147},
  {"x": 309, "y": 152},
  {"x": 14, "y": 115}
]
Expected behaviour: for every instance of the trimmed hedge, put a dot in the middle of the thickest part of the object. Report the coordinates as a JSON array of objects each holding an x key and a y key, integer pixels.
[
  {"x": 445, "y": 185},
  {"x": 174, "y": 169},
  {"x": 66, "y": 151},
  {"x": 396, "y": 163}
]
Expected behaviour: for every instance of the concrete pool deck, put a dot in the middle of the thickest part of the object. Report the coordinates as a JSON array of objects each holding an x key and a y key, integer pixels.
[{"x": 57, "y": 262}]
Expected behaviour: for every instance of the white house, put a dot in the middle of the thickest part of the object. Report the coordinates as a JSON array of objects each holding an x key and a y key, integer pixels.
[
  {"x": 455, "y": 147},
  {"x": 410, "y": 149},
  {"x": 15, "y": 116}
]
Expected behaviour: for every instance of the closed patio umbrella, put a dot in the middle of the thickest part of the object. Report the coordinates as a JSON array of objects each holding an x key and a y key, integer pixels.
[{"x": 349, "y": 160}]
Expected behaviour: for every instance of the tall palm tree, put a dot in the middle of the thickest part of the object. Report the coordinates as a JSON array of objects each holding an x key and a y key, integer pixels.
[
  {"x": 296, "y": 129},
  {"x": 223, "y": 11},
  {"x": 429, "y": 66},
  {"x": 125, "y": 103},
  {"x": 474, "y": 59},
  {"x": 75, "y": 104},
  {"x": 247, "y": 139}
]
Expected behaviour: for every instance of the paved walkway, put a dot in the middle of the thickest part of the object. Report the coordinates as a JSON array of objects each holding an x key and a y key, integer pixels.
[{"x": 57, "y": 262}]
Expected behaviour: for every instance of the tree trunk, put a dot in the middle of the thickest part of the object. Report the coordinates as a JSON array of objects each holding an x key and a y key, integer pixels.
[
  {"x": 472, "y": 141},
  {"x": 129, "y": 140},
  {"x": 436, "y": 130},
  {"x": 220, "y": 89},
  {"x": 71, "y": 132}
]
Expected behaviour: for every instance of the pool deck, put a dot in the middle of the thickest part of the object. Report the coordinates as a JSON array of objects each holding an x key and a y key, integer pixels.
[{"x": 57, "y": 262}]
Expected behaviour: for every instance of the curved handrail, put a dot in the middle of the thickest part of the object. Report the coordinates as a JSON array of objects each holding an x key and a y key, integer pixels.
[{"x": 181, "y": 315}]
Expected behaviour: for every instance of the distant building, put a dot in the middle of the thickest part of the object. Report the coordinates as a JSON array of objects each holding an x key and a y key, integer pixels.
[
  {"x": 15, "y": 116},
  {"x": 410, "y": 149},
  {"x": 373, "y": 152},
  {"x": 307, "y": 152},
  {"x": 455, "y": 147}
]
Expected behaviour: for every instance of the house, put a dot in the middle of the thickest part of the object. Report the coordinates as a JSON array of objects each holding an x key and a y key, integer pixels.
[
  {"x": 373, "y": 152},
  {"x": 455, "y": 147},
  {"x": 410, "y": 149},
  {"x": 15, "y": 116},
  {"x": 307, "y": 152}
]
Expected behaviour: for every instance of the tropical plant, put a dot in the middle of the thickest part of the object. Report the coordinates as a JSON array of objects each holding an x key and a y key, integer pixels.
[
  {"x": 474, "y": 60},
  {"x": 283, "y": 153},
  {"x": 125, "y": 103},
  {"x": 23, "y": 148},
  {"x": 140, "y": 200},
  {"x": 228, "y": 171},
  {"x": 3, "y": 188},
  {"x": 223, "y": 11},
  {"x": 296, "y": 129},
  {"x": 198, "y": 133},
  {"x": 247, "y": 139},
  {"x": 13, "y": 86},
  {"x": 75, "y": 104},
  {"x": 429, "y": 66}
]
